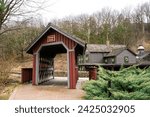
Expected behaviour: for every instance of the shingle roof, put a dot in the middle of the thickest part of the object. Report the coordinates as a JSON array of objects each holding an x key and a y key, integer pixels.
[
  {"x": 145, "y": 62},
  {"x": 102, "y": 47},
  {"x": 115, "y": 52}
]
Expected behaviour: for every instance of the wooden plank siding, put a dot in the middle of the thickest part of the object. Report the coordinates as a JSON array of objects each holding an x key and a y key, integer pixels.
[
  {"x": 34, "y": 70},
  {"x": 59, "y": 38}
]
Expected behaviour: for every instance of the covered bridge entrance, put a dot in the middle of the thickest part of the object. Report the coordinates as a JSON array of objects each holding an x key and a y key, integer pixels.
[{"x": 44, "y": 48}]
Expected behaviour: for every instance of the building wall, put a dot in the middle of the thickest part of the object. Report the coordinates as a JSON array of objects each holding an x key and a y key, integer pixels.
[
  {"x": 96, "y": 57},
  {"x": 120, "y": 57},
  {"x": 109, "y": 60}
]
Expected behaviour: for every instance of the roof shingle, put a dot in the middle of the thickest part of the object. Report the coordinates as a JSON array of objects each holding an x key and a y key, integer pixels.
[
  {"x": 102, "y": 47},
  {"x": 115, "y": 52}
]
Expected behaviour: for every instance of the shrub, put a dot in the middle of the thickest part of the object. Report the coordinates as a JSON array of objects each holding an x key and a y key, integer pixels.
[
  {"x": 5, "y": 70},
  {"x": 127, "y": 84}
]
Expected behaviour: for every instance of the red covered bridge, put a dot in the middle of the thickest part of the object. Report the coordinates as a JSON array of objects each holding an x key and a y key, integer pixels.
[{"x": 44, "y": 48}]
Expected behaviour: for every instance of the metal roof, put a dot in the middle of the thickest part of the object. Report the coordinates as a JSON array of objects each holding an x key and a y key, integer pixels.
[
  {"x": 102, "y": 47},
  {"x": 144, "y": 62},
  {"x": 146, "y": 53},
  {"x": 51, "y": 26}
]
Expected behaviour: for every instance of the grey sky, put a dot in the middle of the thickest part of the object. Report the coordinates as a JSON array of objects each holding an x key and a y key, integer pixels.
[{"x": 62, "y": 8}]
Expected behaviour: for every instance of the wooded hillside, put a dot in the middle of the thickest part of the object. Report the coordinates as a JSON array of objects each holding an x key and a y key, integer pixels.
[{"x": 129, "y": 26}]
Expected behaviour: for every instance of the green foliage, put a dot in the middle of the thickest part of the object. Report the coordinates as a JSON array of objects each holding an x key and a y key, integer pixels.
[
  {"x": 2, "y": 6},
  {"x": 127, "y": 84},
  {"x": 123, "y": 33}
]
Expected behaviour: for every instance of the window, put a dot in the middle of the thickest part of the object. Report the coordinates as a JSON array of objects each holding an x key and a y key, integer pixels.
[
  {"x": 80, "y": 59},
  {"x": 113, "y": 60},
  {"x": 126, "y": 59},
  {"x": 81, "y": 68},
  {"x": 86, "y": 58},
  {"x": 105, "y": 60}
]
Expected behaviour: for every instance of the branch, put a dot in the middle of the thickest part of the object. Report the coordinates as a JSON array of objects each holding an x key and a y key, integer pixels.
[{"x": 9, "y": 29}]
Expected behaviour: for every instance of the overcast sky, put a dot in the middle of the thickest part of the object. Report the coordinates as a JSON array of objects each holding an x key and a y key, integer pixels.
[{"x": 63, "y": 8}]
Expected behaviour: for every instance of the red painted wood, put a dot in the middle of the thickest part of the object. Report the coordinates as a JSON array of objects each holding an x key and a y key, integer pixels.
[
  {"x": 77, "y": 76},
  {"x": 34, "y": 70},
  {"x": 72, "y": 70},
  {"x": 26, "y": 75},
  {"x": 59, "y": 38},
  {"x": 93, "y": 73}
]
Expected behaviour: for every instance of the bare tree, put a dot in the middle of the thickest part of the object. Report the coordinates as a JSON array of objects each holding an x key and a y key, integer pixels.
[
  {"x": 12, "y": 10},
  {"x": 8, "y": 8},
  {"x": 147, "y": 11}
]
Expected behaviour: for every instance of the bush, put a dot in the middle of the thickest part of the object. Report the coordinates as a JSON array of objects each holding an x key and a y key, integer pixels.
[
  {"x": 5, "y": 69},
  {"x": 127, "y": 84}
]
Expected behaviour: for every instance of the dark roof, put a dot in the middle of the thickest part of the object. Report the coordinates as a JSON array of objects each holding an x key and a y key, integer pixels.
[
  {"x": 145, "y": 54},
  {"x": 102, "y": 47},
  {"x": 116, "y": 52},
  {"x": 145, "y": 62},
  {"x": 51, "y": 26}
]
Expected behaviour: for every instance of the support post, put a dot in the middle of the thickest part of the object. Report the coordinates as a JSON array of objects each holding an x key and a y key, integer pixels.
[
  {"x": 34, "y": 70},
  {"x": 76, "y": 71},
  {"x": 92, "y": 73},
  {"x": 72, "y": 70}
]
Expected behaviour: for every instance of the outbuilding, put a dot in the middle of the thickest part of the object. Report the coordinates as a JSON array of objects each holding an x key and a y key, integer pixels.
[{"x": 95, "y": 53}]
